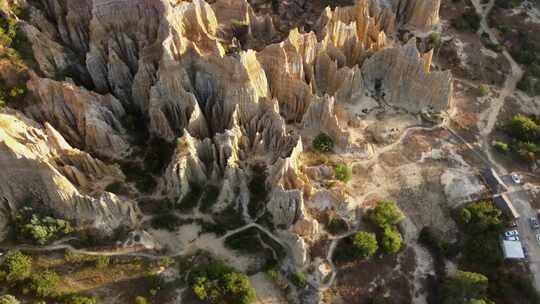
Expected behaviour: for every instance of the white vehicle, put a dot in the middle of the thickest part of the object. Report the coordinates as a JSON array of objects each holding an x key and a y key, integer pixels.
[
  {"x": 511, "y": 233},
  {"x": 512, "y": 238},
  {"x": 538, "y": 239},
  {"x": 516, "y": 178}
]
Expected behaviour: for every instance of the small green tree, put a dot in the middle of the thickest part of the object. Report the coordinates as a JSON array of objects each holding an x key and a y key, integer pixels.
[
  {"x": 435, "y": 39},
  {"x": 323, "y": 143},
  {"x": 365, "y": 245},
  {"x": 8, "y": 299},
  {"x": 385, "y": 214},
  {"x": 501, "y": 147},
  {"x": 237, "y": 286},
  {"x": 484, "y": 89},
  {"x": 44, "y": 283},
  {"x": 528, "y": 151},
  {"x": 465, "y": 216},
  {"x": 484, "y": 216},
  {"x": 216, "y": 283},
  {"x": 523, "y": 128},
  {"x": 391, "y": 240},
  {"x": 299, "y": 279},
  {"x": 464, "y": 287},
  {"x": 343, "y": 173},
  {"x": 17, "y": 267}
]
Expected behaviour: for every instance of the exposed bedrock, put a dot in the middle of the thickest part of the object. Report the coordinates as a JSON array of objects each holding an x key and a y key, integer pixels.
[
  {"x": 88, "y": 120},
  {"x": 40, "y": 168},
  {"x": 226, "y": 109},
  {"x": 400, "y": 77},
  {"x": 417, "y": 14}
]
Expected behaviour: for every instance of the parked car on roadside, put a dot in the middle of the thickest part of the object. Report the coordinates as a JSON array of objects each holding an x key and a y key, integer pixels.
[
  {"x": 510, "y": 233},
  {"x": 515, "y": 178},
  {"x": 538, "y": 239},
  {"x": 534, "y": 223}
]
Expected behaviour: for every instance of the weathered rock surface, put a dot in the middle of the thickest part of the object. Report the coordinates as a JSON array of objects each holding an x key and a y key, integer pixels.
[
  {"x": 417, "y": 14},
  {"x": 40, "y": 168},
  {"x": 88, "y": 120},
  {"x": 400, "y": 77},
  {"x": 185, "y": 68}
]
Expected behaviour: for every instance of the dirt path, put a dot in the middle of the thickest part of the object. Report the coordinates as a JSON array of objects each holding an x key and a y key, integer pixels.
[{"x": 489, "y": 117}]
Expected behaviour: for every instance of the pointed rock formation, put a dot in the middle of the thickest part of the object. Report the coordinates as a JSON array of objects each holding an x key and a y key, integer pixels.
[
  {"x": 34, "y": 162},
  {"x": 88, "y": 120}
]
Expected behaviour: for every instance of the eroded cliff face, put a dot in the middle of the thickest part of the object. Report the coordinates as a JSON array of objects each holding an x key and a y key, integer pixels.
[
  {"x": 40, "y": 168},
  {"x": 185, "y": 71}
]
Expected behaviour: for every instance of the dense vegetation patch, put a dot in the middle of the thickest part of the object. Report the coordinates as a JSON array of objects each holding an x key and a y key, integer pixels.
[
  {"x": 323, "y": 143},
  {"x": 217, "y": 283},
  {"x": 485, "y": 276},
  {"x": 17, "y": 50},
  {"x": 524, "y": 138},
  {"x": 343, "y": 173},
  {"x": 40, "y": 226}
]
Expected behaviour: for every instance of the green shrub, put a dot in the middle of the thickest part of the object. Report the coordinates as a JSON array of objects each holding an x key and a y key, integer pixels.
[
  {"x": 216, "y": 283},
  {"x": 523, "y": 128},
  {"x": 141, "y": 300},
  {"x": 484, "y": 89},
  {"x": 337, "y": 225},
  {"x": 40, "y": 227},
  {"x": 102, "y": 261},
  {"x": 166, "y": 262},
  {"x": 16, "y": 268},
  {"x": 464, "y": 287},
  {"x": 343, "y": 173},
  {"x": 391, "y": 240},
  {"x": 323, "y": 143},
  {"x": 501, "y": 147},
  {"x": 78, "y": 299},
  {"x": 385, "y": 214},
  {"x": 299, "y": 279},
  {"x": 44, "y": 283},
  {"x": 154, "y": 283},
  {"x": 365, "y": 245},
  {"x": 528, "y": 151},
  {"x": 435, "y": 39},
  {"x": 465, "y": 216},
  {"x": 8, "y": 299},
  {"x": 481, "y": 236},
  {"x": 275, "y": 276}
]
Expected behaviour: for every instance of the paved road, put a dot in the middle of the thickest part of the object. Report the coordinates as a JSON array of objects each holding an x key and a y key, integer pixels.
[{"x": 520, "y": 199}]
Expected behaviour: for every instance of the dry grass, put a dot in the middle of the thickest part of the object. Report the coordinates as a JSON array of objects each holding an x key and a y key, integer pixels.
[{"x": 84, "y": 276}]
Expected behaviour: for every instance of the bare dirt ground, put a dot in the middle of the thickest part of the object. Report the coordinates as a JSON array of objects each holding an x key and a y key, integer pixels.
[{"x": 391, "y": 276}]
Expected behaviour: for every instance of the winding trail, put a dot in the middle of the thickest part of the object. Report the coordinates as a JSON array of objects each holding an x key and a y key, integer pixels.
[{"x": 489, "y": 116}]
